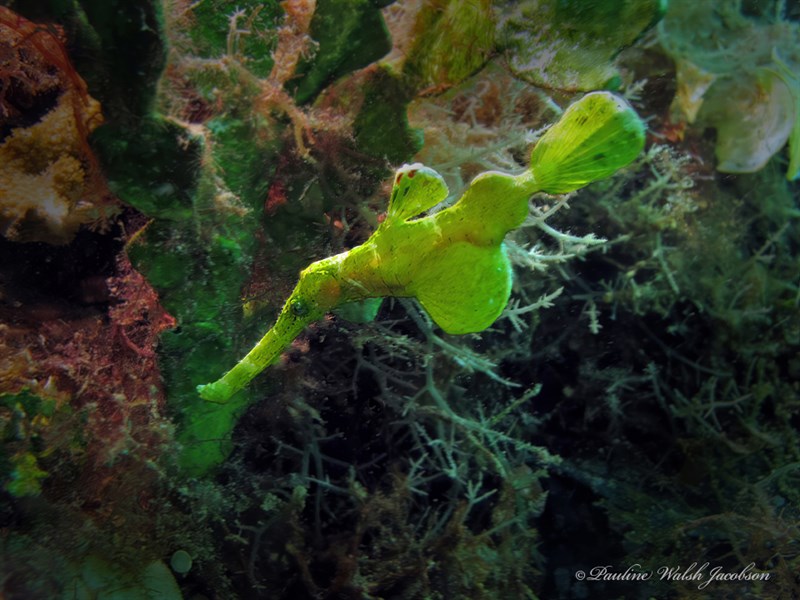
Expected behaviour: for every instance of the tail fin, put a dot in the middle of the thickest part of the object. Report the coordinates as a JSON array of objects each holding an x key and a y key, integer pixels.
[{"x": 595, "y": 136}]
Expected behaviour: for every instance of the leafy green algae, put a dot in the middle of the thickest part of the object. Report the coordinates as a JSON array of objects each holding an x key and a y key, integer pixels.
[
  {"x": 204, "y": 188},
  {"x": 350, "y": 35},
  {"x": 381, "y": 128},
  {"x": 571, "y": 44}
]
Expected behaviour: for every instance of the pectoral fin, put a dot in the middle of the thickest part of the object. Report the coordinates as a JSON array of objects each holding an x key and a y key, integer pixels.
[
  {"x": 361, "y": 311},
  {"x": 464, "y": 288}
]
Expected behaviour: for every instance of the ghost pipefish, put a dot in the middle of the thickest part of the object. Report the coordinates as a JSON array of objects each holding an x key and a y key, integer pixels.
[{"x": 453, "y": 262}]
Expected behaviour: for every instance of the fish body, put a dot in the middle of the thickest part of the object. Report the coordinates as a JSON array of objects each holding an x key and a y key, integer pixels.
[{"x": 453, "y": 261}]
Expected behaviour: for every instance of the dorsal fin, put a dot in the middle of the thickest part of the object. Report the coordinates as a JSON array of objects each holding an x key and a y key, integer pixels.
[{"x": 416, "y": 189}]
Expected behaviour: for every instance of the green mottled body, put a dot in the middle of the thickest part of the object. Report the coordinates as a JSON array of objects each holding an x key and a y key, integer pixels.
[{"x": 454, "y": 261}]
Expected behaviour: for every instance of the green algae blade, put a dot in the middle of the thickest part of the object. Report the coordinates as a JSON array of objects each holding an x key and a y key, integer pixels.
[{"x": 793, "y": 171}]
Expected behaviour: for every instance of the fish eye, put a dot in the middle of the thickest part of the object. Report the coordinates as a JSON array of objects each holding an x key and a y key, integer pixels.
[
  {"x": 398, "y": 179},
  {"x": 299, "y": 308}
]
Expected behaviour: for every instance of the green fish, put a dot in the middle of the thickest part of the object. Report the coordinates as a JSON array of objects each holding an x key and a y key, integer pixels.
[{"x": 454, "y": 261}]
